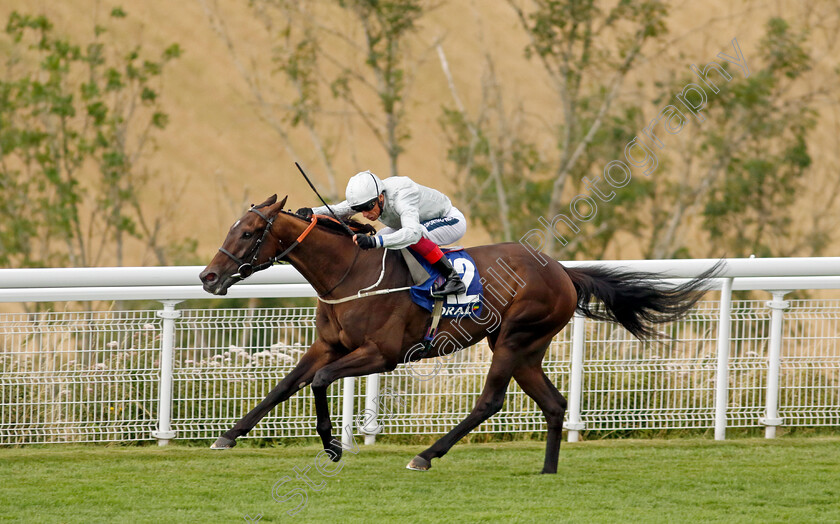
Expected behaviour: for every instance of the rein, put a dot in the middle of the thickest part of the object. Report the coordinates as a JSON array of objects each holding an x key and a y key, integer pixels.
[
  {"x": 360, "y": 294},
  {"x": 349, "y": 268},
  {"x": 248, "y": 268}
]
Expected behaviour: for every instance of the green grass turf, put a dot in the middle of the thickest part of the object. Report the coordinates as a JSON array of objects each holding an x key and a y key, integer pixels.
[{"x": 687, "y": 480}]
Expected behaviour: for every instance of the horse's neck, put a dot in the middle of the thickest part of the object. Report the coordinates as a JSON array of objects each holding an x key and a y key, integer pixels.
[{"x": 323, "y": 258}]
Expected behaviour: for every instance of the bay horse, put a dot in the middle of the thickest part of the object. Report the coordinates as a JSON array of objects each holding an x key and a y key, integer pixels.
[{"x": 528, "y": 299}]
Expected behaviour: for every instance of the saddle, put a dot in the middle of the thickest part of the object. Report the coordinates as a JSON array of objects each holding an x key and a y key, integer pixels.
[{"x": 418, "y": 272}]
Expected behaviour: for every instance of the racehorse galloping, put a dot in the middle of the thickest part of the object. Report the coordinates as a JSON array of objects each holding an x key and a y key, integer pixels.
[{"x": 377, "y": 333}]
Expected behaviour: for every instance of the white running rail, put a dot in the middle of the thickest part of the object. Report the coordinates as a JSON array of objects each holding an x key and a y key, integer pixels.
[{"x": 78, "y": 375}]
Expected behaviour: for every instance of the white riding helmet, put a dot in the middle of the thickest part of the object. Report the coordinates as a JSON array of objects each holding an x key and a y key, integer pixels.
[{"x": 362, "y": 188}]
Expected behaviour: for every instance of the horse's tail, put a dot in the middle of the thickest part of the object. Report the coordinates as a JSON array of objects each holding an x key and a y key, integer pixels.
[{"x": 635, "y": 299}]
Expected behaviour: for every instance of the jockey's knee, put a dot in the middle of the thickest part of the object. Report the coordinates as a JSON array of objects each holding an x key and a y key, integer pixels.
[{"x": 427, "y": 249}]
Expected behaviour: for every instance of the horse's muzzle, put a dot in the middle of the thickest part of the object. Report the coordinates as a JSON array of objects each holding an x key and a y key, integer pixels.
[
  {"x": 212, "y": 283},
  {"x": 216, "y": 290}
]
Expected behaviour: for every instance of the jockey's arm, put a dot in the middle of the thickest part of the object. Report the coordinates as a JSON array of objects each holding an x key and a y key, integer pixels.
[
  {"x": 342, "y": 210},
  {"x": 411, "y": 231}
]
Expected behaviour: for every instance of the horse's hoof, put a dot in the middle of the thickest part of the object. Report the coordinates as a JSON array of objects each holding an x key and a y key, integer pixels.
[
  {"x": 223, "y": 443},
  {"x": 418, "y": 463},
  {"x": 334, "y": 452}
]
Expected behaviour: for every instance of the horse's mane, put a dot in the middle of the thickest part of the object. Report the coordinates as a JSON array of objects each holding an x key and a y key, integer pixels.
[
  {"x": 334, "y": 227},
  {"x": 355, "y": 226}
]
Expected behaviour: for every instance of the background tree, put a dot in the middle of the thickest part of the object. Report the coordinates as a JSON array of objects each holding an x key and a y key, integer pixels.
[
  {"x": 294, "y": 55},
  {"x": 68, "y": 110},
  {"x": 737, "y": 177},
  {"x": 734, "y": 185},
  {"x": 335, "y": 63},
  {"x": 496, "y": 161},
  {"x": 385, "y": 24},
  {"x": 587, "y": 51}
]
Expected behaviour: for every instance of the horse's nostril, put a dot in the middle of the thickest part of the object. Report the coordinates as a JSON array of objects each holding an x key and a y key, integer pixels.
[{"x": 209, "y": 277}]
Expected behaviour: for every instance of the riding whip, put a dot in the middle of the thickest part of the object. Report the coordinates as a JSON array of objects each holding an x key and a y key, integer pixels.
[{"x": 322, "y": 200}]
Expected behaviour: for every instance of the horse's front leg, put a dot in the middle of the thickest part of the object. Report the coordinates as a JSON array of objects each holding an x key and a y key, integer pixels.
[
  {"x": 363, "y": 361},
  {"x": 316, "y": 357},
  {"x": 323, "y": 423}
]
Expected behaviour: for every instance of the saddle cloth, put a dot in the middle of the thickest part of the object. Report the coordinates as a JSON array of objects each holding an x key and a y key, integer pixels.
[{"x": 454, "y": 306}]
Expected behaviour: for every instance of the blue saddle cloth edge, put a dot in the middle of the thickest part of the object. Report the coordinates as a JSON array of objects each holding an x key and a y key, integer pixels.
[{"x": 468, "y": 304}]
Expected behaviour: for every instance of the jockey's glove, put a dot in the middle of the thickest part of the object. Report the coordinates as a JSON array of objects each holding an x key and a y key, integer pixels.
[
  {"x": 305, "y": 212},
  {"x": 366, "y": 242}
]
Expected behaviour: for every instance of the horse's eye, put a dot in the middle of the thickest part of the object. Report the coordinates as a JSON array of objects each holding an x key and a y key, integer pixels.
[{"x": 247, "y": 234}]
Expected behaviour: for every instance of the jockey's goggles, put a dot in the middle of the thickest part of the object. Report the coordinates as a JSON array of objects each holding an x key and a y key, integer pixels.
[{"x": 367, "y": 206}]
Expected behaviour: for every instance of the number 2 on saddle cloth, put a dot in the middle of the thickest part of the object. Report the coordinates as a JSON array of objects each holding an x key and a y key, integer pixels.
[{"x": 452, "y": 306}]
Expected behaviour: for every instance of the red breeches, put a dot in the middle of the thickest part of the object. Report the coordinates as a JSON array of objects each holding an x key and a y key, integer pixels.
[{"x": 428, "y": 250}]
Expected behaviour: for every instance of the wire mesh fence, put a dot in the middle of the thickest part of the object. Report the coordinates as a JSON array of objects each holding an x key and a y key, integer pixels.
[
  {"x": 94, "y": 376},
  {"x": 227, "y": 360},
  {"x": 810, "y": 377},
  {"x": 78, "y": 377}
]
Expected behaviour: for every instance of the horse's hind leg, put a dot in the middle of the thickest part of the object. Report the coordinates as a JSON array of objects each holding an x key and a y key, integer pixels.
[
  {"x": 535, "y": 384},
  {"x": 318, "y": 355},
  {"x": 490, "y": 402}
]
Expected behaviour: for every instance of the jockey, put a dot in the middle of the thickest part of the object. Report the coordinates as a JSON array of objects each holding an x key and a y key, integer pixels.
[{"x": 417, "y": 217}]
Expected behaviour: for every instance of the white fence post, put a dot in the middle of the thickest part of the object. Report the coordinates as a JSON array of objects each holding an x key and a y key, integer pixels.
[
  {"x": 774, "y": 362},
  {"x": 347, "y": 410},
  {"x": 370, "y": 417},
  {"x": 722, "y": 378},
  {"x": 575, "y": 425},
  {"x": 164, "y": 431}
]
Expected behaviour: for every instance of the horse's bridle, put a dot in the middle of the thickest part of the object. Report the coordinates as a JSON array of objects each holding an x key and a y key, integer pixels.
[{"x": 246, "y": 269}]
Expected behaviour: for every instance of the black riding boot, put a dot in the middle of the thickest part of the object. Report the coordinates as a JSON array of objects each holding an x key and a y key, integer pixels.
[{"x": 453, "y": 284}]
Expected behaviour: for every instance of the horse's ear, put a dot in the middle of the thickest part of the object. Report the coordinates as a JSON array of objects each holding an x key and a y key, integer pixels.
[
  {"x": 278, "y": 207},
  {"x": 269, "y": 201}
]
